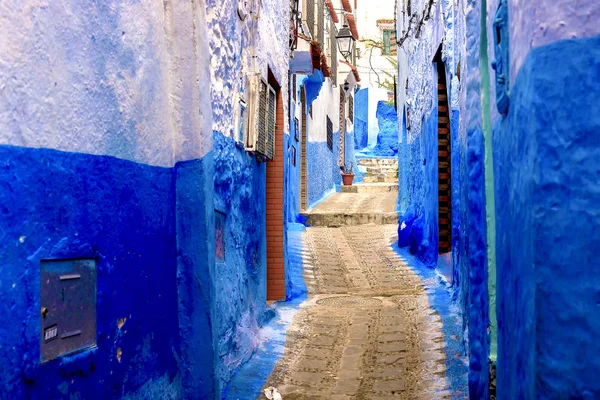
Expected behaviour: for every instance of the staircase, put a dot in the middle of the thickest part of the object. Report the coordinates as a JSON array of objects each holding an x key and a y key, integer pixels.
[
  {"x": 372, "y": 201},
  {"x": 379, "y": 169}
]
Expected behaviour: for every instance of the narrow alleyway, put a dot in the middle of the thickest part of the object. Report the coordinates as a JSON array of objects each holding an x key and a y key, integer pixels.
[{"x": 366, "y": 330}]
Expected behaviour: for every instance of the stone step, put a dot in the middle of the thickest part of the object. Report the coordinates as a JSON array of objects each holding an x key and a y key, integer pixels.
[
  {"x": 370, "y": 188},
  {"x": 377, "y": 161},
  {"x": 379, "y": 167},
  {"x": 380, "y": 179},
  {"x": 342, "y": 219},
  {"x": 382, "y": 170}
]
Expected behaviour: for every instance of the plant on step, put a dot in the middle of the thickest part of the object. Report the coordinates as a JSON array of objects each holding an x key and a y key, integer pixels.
[
  {"x": 348, "y": 171},
  {"x": 348, "y": 174}
]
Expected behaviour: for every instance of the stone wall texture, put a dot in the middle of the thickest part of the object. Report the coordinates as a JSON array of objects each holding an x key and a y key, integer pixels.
[
  {"x": 522, "y": 207},
  {"x": 107, "y": 153}
]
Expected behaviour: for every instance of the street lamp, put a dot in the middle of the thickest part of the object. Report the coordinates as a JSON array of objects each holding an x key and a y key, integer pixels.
[{"x": 345, "y": 41}]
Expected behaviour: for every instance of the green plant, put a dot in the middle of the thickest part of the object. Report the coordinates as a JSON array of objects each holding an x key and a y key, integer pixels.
[
  {"x": 347, "y": 171},
  {"x": 387, "y": 82}
]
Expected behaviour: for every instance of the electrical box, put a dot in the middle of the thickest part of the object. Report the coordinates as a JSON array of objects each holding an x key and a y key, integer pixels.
[{"x": 68, "y": 306}]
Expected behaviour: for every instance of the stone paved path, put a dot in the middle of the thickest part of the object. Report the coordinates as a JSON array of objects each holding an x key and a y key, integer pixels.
[{"x": 366, "y": 330}]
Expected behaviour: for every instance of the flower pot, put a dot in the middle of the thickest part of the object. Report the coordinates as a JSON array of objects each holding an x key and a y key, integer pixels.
[{"x": 347, "y": 179}]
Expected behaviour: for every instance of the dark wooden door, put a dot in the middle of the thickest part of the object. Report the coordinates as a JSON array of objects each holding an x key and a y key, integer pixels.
[{"x": 444, "y": 173}]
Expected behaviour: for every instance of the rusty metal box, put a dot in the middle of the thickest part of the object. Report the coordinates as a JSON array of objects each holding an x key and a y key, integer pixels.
[{"x": 68, "y": 306}]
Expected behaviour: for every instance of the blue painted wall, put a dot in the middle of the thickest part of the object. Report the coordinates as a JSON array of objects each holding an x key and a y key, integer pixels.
[
  {"x": 361, "y": 119},
  {"x": 350, "y": 155},
  {"x": 195, "y": 241},
  {"x": 546, "y": 160},
  {"x": 135, "y": 184},
  {"x": 387, "y": 138},
  {"x": 240, "y": 281},
  {"x": 323, "y": 171},
  {"x": 123, "y": 214},
  {"x": 419, "y": 223},
  {"x": 239, "y": 301},
  {"x": 115, "y": 163},
  {"x": 291, "y": 206},
  {"x": 418, "y": 228},
  {"x": 292, "y": 174}
]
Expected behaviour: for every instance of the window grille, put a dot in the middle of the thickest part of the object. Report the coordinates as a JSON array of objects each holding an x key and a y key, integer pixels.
[
  {"x": 389, "y": 42},
  {"x": 271, "y": 114},
  {"x": 267, "y": 112},
  {"x": 261, "y": 142},
  {"x": 329, "y": 134},
  {"x": 294, "y": 88}
]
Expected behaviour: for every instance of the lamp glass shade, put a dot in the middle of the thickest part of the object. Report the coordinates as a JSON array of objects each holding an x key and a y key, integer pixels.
[{"x": 345, "y": 41}]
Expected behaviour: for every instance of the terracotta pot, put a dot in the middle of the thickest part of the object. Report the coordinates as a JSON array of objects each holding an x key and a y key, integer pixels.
[{"x": 347, "y": 179}]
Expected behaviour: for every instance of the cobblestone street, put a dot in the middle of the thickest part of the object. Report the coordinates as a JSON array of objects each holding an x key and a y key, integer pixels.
[{"x": 366, "y": 330}]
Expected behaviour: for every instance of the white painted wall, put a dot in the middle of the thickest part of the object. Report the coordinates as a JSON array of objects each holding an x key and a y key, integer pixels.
[
  {"x": 326, "y": 104},
  {"x": 122, "y": 79},
  {"x": 232, "y": 42},
  {"x": 367, "y": 14},
  {"x": 375, "y": 96}
]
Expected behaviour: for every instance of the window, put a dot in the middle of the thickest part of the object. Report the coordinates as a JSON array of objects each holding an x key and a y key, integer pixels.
[
  {"x": 293, "y": 155},
  {"x": 263, "y": 140},
  {"x": 329, "y": 134},
  {"x": 389, "y": 42},
  {"x": 261, "y": 144},
  {"x": 294, "y": 88},
  {"x": 296, "y": 129}
]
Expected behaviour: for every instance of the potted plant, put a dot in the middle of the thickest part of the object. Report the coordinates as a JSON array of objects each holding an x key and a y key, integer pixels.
[{"x": 348, "y": 175}]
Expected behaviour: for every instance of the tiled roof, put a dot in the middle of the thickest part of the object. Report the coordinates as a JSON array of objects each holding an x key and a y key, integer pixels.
[
  {"x": 346, "y": 5},
  {"x": 352, "y": 25},
  {"x": 332, "y": 12},
  {"x": 354, "y": 70}
]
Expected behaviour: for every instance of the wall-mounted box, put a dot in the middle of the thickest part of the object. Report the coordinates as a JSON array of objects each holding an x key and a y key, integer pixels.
[{"x": 68, "y": 306}]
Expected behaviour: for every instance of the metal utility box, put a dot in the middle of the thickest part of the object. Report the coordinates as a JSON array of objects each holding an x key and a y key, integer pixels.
[{"x": 68, "y": 306}]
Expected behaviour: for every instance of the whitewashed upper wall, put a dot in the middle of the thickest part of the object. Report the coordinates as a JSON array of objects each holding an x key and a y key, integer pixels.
[
  {"x": 326, "y": 104},
  {"x": 107, "y": 78},
  {"x": 231, "y": 44},
  {"x": 367, "y": 14},
  {"x": 541, "y": 22},
  {"x": 416, "y": 59}
]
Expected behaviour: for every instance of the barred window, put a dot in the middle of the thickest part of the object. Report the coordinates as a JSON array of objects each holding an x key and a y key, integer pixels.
[
  {"x": 294, "y": 88},
  {"x": 265, "y": 143},
  {"x": 389, "y": 42},
  {"x": 329, "y": 134},
  {"x": 261, "y": 143}
]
